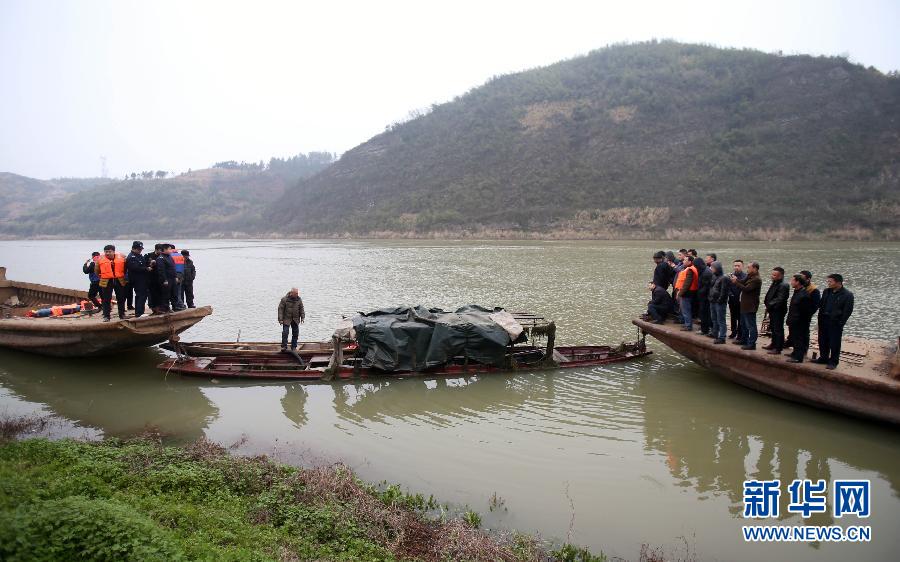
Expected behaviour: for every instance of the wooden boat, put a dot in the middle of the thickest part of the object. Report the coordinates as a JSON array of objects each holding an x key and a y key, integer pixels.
[
  {"x": 249, "y": 349},
  {"x": 83, "y": 334},
  {"x": 315, "y": 368},
  {"x": 865, "y": 384}
]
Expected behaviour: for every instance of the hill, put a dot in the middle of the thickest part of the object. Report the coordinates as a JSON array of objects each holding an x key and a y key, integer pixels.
[
  {"x": 19, "y": 194},
  {"x": 656, "y": 139},
  {"x": 225, "y": 200}
]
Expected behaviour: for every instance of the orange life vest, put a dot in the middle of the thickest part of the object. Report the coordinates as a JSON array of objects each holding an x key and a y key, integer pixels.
[
  {"x": 695, "y": 280},
  {"x": 112, "y": 268}
]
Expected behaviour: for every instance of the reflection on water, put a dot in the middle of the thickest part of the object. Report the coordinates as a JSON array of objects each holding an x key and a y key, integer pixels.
[
  {"x": 713, "y": 449},
  {"x": 120, "y": 395},
  {"x": 648, "y": 451},
  {"x": 440, "y": 402}
]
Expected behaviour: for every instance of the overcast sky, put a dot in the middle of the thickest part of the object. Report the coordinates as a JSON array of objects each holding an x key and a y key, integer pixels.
[{"x": 178, "y": 85}]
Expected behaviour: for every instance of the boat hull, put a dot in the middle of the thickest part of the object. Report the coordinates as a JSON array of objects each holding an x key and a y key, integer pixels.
[
  {"x": 89, "y": 336},
  {"x": 249, "y": 349},
  {"x": 268, "y": 367},
  {"x": 866, "y": 391},
  {"x": 82, "y": 334}
]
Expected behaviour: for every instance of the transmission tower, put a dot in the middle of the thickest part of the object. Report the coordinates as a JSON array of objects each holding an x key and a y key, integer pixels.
[{"x": 104, "y": 172}]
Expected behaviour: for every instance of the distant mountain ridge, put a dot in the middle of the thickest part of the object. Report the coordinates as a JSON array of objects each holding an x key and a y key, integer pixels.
[
  {"x": 656, "y": 139},
  {"x": 646, "y": 140},
  {"x": 20, "y": 194},
  {"x": 223, "y": 201}
]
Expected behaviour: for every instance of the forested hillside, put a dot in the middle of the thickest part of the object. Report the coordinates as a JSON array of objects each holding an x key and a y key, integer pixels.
[
  {"x": 225, "y": 200},
  {"x": 656, "y": 139},
  {"x": 20, "y": 194}
]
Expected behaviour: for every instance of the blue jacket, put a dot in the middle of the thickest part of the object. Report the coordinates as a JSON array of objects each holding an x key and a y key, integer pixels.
[{"x": 90, "y": 269}]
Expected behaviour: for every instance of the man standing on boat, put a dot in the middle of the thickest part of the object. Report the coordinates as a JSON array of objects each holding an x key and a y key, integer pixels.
[
  {"x": 187, "y": 285},
  {"x": 813, "y": 291},
  {"x": 138, "y": 276},
  {"x": 776, "y": 302},
  {"x": 706, "y": 278},
  {"x": 111, "y": 268},
  {"x": 165, "y": 275},
  {"x": 750, "y": 287},
  {"x": 178, "y": 260},
  {"x": 800, "y": 312},
  {"x": 290, "y": 316},
  {"x": 662, "y": 272},
  {"x": 718, "y": 302},
  {"x": 734, "y": 299},
  {"x": 834, "y": 311},
  {"x": 686, "y": 283},
  {"x": 90, "y": 269}
]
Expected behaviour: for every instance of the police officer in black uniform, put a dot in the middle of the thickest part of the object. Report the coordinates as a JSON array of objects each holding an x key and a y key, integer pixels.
[
  {"x": 138, "y": 276},
  {"x": 152, "y": 282}
]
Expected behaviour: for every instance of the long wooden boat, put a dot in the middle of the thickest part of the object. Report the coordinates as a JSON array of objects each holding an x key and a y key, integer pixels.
[
  {"x": 314, "y": 369},
  {"x": 81, "y": 334},
  {"x": 249, "y": 349},
  {"x": 864, "y": 385}
]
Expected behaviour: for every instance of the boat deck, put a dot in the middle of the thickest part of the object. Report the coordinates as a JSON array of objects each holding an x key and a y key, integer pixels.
[
  {"x": 860, "y": 358},
  {"x": 866, "y": 383}
]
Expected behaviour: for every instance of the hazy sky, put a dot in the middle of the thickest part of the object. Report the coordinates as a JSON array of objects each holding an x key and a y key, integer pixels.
[{"x": 173, "y": 85}]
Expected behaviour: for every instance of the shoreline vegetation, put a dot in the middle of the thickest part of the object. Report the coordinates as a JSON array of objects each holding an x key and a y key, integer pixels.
[{"x": 141, "y": 499}]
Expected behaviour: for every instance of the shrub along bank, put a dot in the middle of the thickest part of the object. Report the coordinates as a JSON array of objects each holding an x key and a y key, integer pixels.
[{"x": 140, "y": 500}]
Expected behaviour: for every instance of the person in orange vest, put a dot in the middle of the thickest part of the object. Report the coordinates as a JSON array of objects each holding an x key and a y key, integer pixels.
[
  {"x": 686, "y": 283},
  {"x": 111, "y": 268}
]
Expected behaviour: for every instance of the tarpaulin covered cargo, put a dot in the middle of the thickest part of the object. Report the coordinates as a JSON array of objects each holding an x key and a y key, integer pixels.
[{"x": 416, "y": 338}]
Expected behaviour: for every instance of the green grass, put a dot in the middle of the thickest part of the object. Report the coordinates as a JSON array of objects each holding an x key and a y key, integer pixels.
[{"x": 139, "y": 500}]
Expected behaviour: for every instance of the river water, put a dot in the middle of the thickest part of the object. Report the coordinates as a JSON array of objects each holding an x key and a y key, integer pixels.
[{"x": 654, "y": 451}]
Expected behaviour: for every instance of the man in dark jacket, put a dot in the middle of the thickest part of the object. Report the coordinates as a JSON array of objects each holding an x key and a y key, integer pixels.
[
  {"x": 90, "y": 269},
  {"x": 814, "y": 294},
  {"x": 734, "y": 299},
  {"x": 174, "y": 289},
  {"x": 718, "y": 302},
  {"x": 138, "y": 276},
  {"x": 706, "y": 281},
  {"x": 166, "y": 279},
  {"x": 153, "y": 291},
  {"x": 661, "y": 273},
  {"x": 187, "y": 285},
  {"x": 660, "y": 305},
  {"x": 776, "y": 302},
  {"x": 834, "y": 311},
  {"x": 800, "y": 312},
  {"x": 290, "y": 316},
  {"x": 750, "y": 288},
  {"x": 670, "y": 261}
]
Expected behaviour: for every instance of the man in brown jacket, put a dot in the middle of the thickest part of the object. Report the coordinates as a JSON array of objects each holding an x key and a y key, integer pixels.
[
  {"x": 290, "y": 316},
  {"x": 750, "y": 288}
]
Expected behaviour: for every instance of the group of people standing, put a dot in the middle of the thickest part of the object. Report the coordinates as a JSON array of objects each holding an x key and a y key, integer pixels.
[
  {"x": 162, "y": 280},
  {"x": 702, "y": 291}
]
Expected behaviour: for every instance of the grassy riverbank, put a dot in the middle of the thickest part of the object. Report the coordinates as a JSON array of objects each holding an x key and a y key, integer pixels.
[{"x": 141, "y": 500}]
